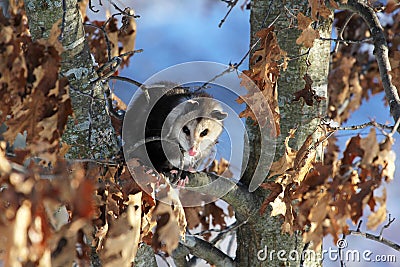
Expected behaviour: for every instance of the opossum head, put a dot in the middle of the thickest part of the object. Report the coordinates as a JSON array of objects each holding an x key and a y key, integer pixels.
[{"x": 196, "y": 125}]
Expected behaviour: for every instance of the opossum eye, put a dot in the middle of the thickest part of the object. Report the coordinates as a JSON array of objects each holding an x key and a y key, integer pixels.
[
  {"x": 186, "y": 130},
  {"x": 204, "y": 133}
]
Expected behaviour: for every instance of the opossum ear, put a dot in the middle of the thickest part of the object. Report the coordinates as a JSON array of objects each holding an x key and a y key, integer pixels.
[
  {"x": 192, "y": 102},
  {"x": 218, "y": 114}
]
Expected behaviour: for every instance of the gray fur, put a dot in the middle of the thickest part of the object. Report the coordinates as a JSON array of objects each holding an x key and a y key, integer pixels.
[{"x": 176, "y": 107}]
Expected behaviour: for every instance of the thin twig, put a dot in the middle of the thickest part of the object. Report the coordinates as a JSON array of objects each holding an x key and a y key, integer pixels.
[
  {"x": 359, "y": 225},
  {"x": 290, "y": 13},
  {"x": 108, "y": 44},
  {"x": 334, "y": 126},
  {"x": 302, "y": 258},
  {"x": 204, "y": 86},
  {"x": 340, "y": 250},
  {"x": 376, "y": 238},
  {"x": 142, "y": 87},
  {"x": 231, "y": 5},
  {"x": 390, "y": 221},
  {"x": 396, "y": 126},
  {"x": 340, "y": 34},
  {"x": 126, "y": 79},
  {"x": 110, "y": 18},
  {"x": 224, "y": 232},
  {"x": 111, "y": 66},
  {"x": 131, "y": 52},
  {"x": 362, "y": 126},
  {"x": 258, "y": 39},
  {"x": 236, "y": 65},
  {"x": 126, "y": 12},
  {"x": 102, "y": 28},
  {"x": 91, "y": 7},
  {"x": 164, "y": 258},
  {"x": 346, "y": 41}
]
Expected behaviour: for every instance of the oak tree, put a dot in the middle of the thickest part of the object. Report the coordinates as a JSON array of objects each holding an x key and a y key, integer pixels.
[{"x": 67, "y": 196}]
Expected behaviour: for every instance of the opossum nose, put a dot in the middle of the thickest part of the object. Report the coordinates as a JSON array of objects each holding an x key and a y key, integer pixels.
[{"x": 192, "y": 152}]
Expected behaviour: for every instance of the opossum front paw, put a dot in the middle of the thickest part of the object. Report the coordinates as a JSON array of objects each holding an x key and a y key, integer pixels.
[{"x": 183, "y": 182}]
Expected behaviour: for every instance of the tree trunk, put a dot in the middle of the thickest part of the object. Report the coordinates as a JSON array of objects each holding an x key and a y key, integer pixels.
[
  {"x": 260, "y": 240},
  {"x": 89, "y": 133}
]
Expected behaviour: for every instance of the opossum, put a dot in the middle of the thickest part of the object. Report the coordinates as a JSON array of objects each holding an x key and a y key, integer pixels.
[{"x": 170, "y": 127}]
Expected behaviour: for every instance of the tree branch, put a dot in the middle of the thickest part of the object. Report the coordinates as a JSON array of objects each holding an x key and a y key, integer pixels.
[
  {"x": 376, "y": 238},
  {"x": 180, "y": 255},
  {"x": 145, "y": 257},
  {"x": 244, "y": 203},
  {"x": 380, "y": 51},
  {"x": 202, "y": 249}
]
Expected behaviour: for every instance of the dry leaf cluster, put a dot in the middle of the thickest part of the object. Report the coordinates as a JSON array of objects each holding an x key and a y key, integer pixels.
[
  {"x": 264, "y": 74},
  {"x": 323, "y": 196}
]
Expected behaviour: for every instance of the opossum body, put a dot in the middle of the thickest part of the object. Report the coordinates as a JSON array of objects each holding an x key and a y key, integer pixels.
[{"x": 179, "y": 127}]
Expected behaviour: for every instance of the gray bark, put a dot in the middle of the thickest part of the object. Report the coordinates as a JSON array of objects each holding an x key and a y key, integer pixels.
[{"x": 89, "y": 133}]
